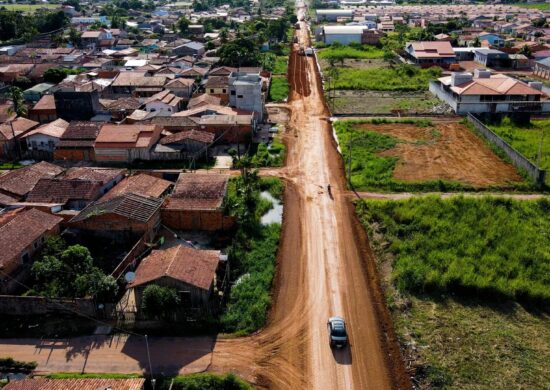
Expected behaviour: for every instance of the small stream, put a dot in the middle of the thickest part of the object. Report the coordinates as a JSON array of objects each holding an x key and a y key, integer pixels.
[{"x": 275, "y": 215}]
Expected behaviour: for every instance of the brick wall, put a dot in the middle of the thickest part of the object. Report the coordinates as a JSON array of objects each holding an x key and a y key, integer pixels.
[{"x": 197, "y": 220}]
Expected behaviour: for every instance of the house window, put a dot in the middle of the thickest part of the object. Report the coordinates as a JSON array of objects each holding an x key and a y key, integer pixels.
[
  {"x": 224, "y": 91},
  {"x": 211, "y": 90},
  {"x": 25, "y": 258},
  {"x": 239, "y": 96},
  {"x": 233, "y": 93}
]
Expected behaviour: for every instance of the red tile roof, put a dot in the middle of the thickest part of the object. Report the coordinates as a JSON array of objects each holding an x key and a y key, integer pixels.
[
  {"x": 432, "y": 49},
  {"x": 76, "y": 384},
  {"x": 140, "y": 184},
  {"x": 196, "y": 191},
  {"x": 191, "y": 266},
  {"x": 20, "y": 229},
  {"x": 20, "y": 126},
  {"x": 22, "y": 181},
  {"x": 102, "y": 175},
  {"x": 194, "y": 135},
  {"x": 59, "y": 190}
]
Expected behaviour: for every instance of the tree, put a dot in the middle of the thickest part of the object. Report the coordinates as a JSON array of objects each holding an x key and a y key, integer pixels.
[
  {"x": 183, "y": 25},
  {"x": 73, "y": 3},
  {"x": 526, "y": 51},
  {"x": 71, "y": 273},
  {"x": 158, "y": 301},
  {"x": 240, "y": 52},
  {"x": 55, "y": 75},
  {"x": 75, "y": 37},
  {"x": 19, "y": 109},
  {"x": 476, "y": 42}
]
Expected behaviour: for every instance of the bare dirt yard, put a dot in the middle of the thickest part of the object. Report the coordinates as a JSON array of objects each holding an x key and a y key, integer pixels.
[{"x": 447, "y": 151}]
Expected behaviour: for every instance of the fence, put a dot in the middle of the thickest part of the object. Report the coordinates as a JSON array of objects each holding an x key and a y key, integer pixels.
[
  {"x": 28, "y": 306},
  {"x": 519, "y": 160}
]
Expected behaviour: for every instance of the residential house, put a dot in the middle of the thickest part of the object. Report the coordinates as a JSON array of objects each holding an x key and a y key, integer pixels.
[
  {"x": 186, "y": 145},
  {"x": 484, "y": 92},
  {"x": 174, "y": 124},
  {"x": 46, "y": 137},
  {"x": 493, "y": 39},
  {"x": 123, "y": 217},
  {"x": 197, "y": 203},
  {"x": 194, "y": 49},
  {"x": 126, "y": 143},
  {"x": 542, "y": 68},
  {"x": 44, "y": 111},
  {"x": 217, "y": 86},
  {"x": 77, "y": 142},
  {"x": 18, "y": 183},
  {"x": 79, "y": 383},
  {"x": 22, "y": 234},
  {"x": 142, "y": 184},
  {"x": 106, "y": 177},
  {"x": 35, "y": 93},
  {"x": 137, "y": 84},
  {"x": 202, "y": 100},
  {"x": 195, "y": 72},
  {"x": 182, "y": 87},
  {"x": 10, "y": 135},
  {"x": 164, "y": 103},
  {"x": 191, "y": 272},
  {"x": 93, "y": 39},
  {"x": 71, "y": 194},
  {"x": 245, "y": 93},
  {"x": 222, "y": 71},
  {"x": 77, "y": 103},
  {"x": 229, "y": 128},
  {"x": 123, "y": 107},
  {"x": 492, "y": 58},
  {"x": 371, "y": 37},
  {"x": 431, "y": 53}
]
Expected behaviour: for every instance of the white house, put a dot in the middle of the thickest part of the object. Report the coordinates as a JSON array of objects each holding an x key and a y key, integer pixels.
[
  {"x": 46, "y": 137},
  {"x": 164, "y": 103},
  {"x": 343, "y": 34},
  {"x": 483, "y": 92}
]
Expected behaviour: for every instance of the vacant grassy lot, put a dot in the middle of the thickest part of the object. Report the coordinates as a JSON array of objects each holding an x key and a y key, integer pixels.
[
  {"x": 383, "y": 102},
  {"x": 28, "y": 7},
  {"x": 452, "y": 271},
  {"x": 351, "y": 63},
  {"x": 356, "y": 52},
  {"x": 278, "y": 90},
  {"x": 281, "y": 65},
  {"x": 527, "y": 140},
  {"x": 399, "y": 78},
  {"x": 411, "y": 155},
  {"x": 541, "y": 6}
]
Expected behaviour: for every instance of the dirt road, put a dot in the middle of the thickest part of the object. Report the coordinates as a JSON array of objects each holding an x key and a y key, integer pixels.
[{"x": 325, "y": 268}]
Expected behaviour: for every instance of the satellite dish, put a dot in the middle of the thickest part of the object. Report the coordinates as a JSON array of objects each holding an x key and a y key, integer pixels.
[{"x": 129, "y": 277}]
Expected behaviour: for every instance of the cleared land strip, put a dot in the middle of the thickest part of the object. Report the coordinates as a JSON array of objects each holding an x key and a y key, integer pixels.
[{"x": 446, "y": 195}]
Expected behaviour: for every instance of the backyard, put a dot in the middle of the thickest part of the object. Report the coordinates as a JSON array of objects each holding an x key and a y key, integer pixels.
[
  {"x": 278, "y": 90},
  {"x": 528, "y": 139},
  {"x": 467, "y": 283},
  {"x": 419, "y": 155}
]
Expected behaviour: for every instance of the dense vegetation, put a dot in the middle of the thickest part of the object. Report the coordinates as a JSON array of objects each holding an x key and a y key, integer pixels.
[
  {"x": 278, "y": 89},
  {"x": 205, "y": 381},
  {"x": 339, "y": 52},
  {"x": 70, "y": 272},
  {"x": 8, "y": 364},
  {"x": 400, "y": 78},
  {"x": 17, "y": 25},
  {"x": 370, "y": 171},
  {"x": 269, "y": 156},
  {"x": 489, "y": 247},
  {"x": 253, "y": 253},
  {"x": 526, "y": 139}
]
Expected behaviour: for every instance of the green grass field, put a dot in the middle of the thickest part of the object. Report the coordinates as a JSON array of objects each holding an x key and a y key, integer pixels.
[
  {"x": 541, "y": 6},
  {"x": 484, "y": 247},
  {"x": 278, "y": 90},
  {"x": 342, "y": 52},
  {"x": 527, "y": 140},
  {"x": 281, "y": 65},
  {"x": 28, "y": 7},
  {"x": 451, "y": 271},
  {"x": 401, "y": 78}
]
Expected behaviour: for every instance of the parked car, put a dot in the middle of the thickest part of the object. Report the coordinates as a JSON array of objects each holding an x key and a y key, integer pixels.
[{"x": 338, "y": 336}]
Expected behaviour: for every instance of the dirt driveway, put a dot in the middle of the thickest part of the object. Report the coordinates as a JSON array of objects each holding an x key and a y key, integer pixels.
[{"x": 448, "y": 151}]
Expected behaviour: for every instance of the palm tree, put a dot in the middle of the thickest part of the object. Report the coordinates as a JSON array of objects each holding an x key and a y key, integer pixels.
[{"x": 19, "y": 109}]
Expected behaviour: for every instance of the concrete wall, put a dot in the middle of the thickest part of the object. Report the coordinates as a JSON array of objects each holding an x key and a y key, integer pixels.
[
  {"x": 27, "y": 306},
  {"x": 520, "y": 161}
]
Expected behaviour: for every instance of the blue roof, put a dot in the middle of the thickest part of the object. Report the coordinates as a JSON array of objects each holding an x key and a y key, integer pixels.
[{"x": 545, "y": 62}]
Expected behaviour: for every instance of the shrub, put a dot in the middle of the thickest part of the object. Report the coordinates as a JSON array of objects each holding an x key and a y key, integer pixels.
[
  {"x": 208, "y": 381},
  {"x": 352, "y": 51},
  {"x": 158, "y": 301},
  {"x": 9, "y": 364}
]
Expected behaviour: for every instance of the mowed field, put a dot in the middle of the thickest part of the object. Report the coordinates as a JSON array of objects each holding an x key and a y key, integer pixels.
[
  {"x": 401, "y": 156},
  {"x": 28, "y": 7}
]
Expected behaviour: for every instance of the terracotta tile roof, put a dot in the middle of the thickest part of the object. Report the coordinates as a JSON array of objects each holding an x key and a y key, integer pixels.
[
  {"x": 76, "y": 384},
  {"x": 191, "y": 266},
  {"x": 496, "y": 84},
  {"x": 125, "y": 104},
  {"x": 21, "y": 229},
  {"x": 165, "y": 97},
  {"x": 432, "y": 49},
  {"x": 174, "y": 121},
  {"x": 217, "y": 82},
  {"x": 140, "y": 135},
  {"x": 102, "y": 175},
  {"x": 194, "y": 135},
  {"x": 131, "y": 206},
  {"x": 203, "y": 99},
  {"x": 222, "y": 71},
  {"x": 82, "y": 130},
  {"x": 206, "y": 110},
  {"x": 46, "y": 102},
  {"x": 180, "y": 82},
  {"x": 196, "y": 191},
  {"x": 54, "y": 129},
  {"x": 20, "y": 126},
  {"x": 21, "y": 181},
  {"x": 140, "y": 184},
  {"x": 138, "y": 79},
  {"x": 60, "y": 190}
]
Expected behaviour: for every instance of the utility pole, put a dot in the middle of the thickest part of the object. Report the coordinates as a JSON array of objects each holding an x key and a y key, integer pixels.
[
  {"x": 349, "y": 160},
  {"x": 153, "y": 380}
]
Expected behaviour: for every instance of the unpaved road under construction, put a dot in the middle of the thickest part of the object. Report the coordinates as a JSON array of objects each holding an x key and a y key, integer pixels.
[{"x": 325, "y": 268}]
